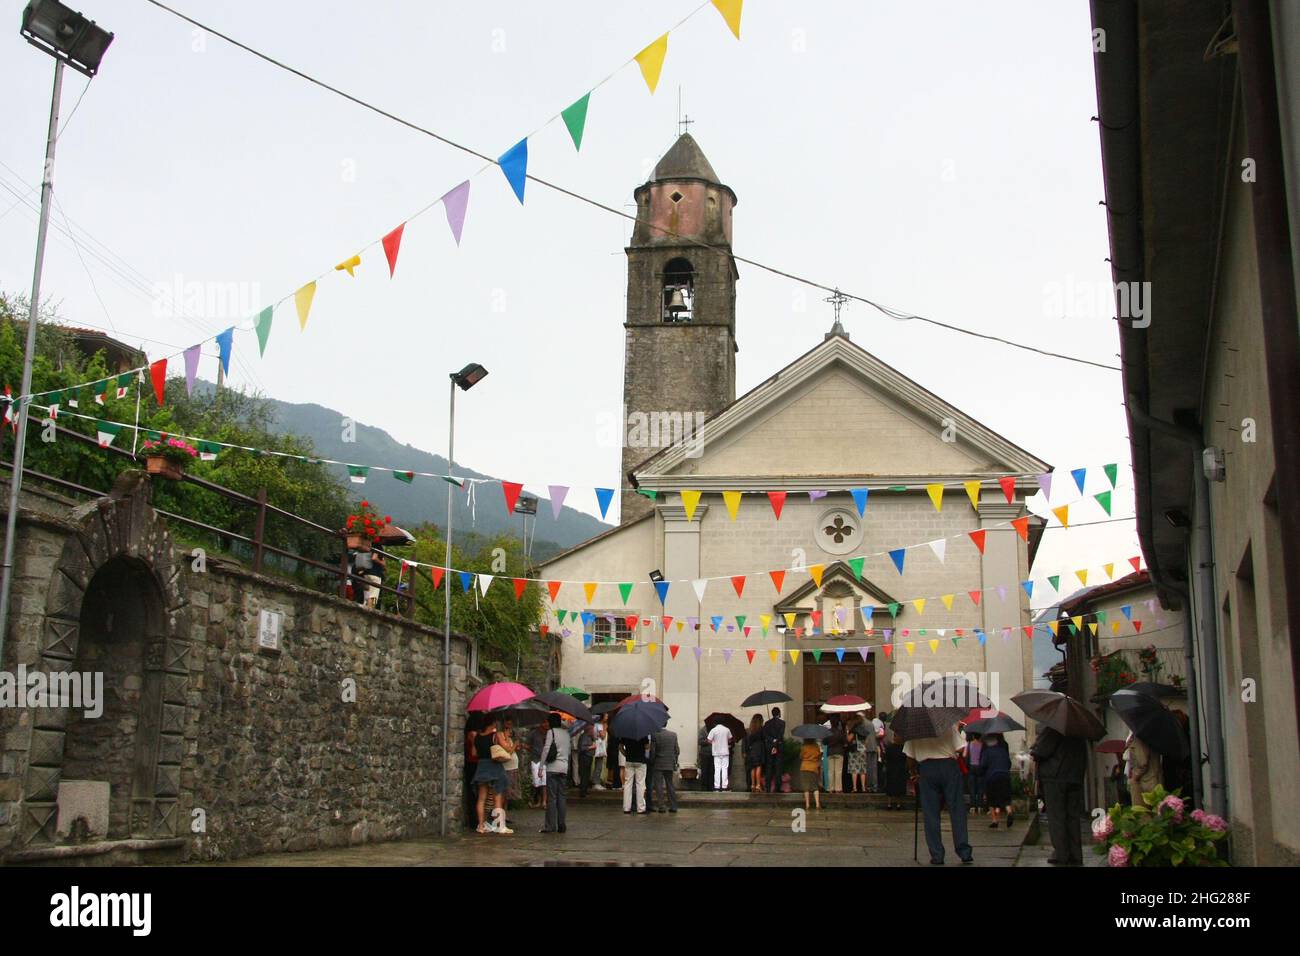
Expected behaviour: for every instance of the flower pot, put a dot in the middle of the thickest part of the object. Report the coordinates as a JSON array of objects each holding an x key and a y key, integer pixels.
[
  {"x": 164, "y": 467},
  {"x": 358, "y": 542}
]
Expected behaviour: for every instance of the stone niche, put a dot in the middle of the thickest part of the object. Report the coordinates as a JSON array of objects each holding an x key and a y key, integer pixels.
[{"x": 83, "y": 810}]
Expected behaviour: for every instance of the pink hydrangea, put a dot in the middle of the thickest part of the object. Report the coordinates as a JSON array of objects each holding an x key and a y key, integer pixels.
[
  {"x": 1173, "y": 804},
  {"x": 1102, "y": 829},
  {"x": 1198, "y": 816},
  {"x": 1117, "y": 856},
  {"x": 1215, "y": 823}
]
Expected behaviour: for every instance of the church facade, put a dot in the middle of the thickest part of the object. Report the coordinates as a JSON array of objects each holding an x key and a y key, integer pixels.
[{"x": 754, "y": 553}]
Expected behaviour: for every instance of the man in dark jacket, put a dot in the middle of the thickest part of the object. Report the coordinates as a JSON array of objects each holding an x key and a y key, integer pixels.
[
  {"x": 1062, "y": 762},
  {"x": 664, "y": 765},
  {"x": 773, "y": 750}
]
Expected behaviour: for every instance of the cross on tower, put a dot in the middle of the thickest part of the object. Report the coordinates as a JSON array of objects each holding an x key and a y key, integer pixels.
[
  {"x": 683, "y": 122},
  {"x": 837, "y": 300}
]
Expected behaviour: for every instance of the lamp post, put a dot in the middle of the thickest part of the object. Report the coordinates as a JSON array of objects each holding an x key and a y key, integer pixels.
[
  {"x": 70, "y": 38},
  {"x": 465, "y": 379}
]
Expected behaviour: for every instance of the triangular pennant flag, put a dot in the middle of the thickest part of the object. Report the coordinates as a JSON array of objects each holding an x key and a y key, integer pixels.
[
  {"x": 1029, "y": 631},
  {"x": 625, "y": 591},
  {"x": 437, "y": 573},
  {"x": 732, "y": 501},
  {"x": 466, "y": 580},
  {"x": 910, "y": 647},
  {"x": 934, "y": 646},
  {"x": 817, "y": 655},
  {"x": 940, "y": 547},
  {"x": 794, "y": 657},
  {"x": 1137, "y": 626},
  {"x": 947, "y": 601},
  {"x": 690, "y": 500},
  {"x": 603, "y": 497},
  {"x": 661, "y": 589},
  {"x": 1101, "y": 617},
  {"x": 631, "y": 622},
  {"x": 124, "y": 380},
  {"x": 629, "y": 645},
  {"x": 889, "y": 650},
  {"x": 1112, "y": 473},
  {"x": 302, "y": 300},
  {"x": 778, "y": 502},
  {"x": 358, "y": 473},
  {"x": 1029, "y": 588},
  {"x": 973, "y": 493},
  {"x": 1127, "y": 611},
  {"x": 935, "y": 491},
  {"x": 651, "y": 61},
  {"x": 652, "y": 647},
  {"x": 730, "y": 10},
  {"x": 648, "y": 493},
  {"x": 1022, "y": 526},
  {"x": 975, "y": 597},
  {"x": 455, "y": 203},
  {"x": 839, "y": 654},
  {"x": 978, "y": 537},
  {"x": 789, "y": 619},
  {"x": 224, "y": 342},
  {"x": 514, "y": 164},
  {"x": 557, "y": 493},
  {"x": 1136, "y": 562},
  {"x": 511, "y": 489},
  {"x": 697, "y": 650},
  {"x": 816, "y": 571},
  {"x": 772, "y": 655},
  {"x": 740, "y": 621},
  {"x": 1062, "y": 515},
  {"x": 520, "y": 585},
  {"x": 855, "y": 565},
  {"x": 726, "y": 655},
  {"x": 1079, "y": 475},
  {"x": 575, "y": 119},
  {"x": 666, "y": 621},
  {"x": 553, "y": 588},
  {"x": 1109, "y": 568},
  {"x": 1082, "y": 575},
  {"x": 1077, "y": 622},
  {"x": 778, "y": 579},
  {"x": 392, "y": 243},
  {"x": 897, "y": 556},
  {"x": 1092, "y": 626},
  {"x": 1103, "y": 499},
  {"x": 673, "y": 649},
  {"x": 158, "y": 374},
  {"x": 1055, "y": 581},
  {"x": 263, "y": 327},
  {"x": 749, "y": 652},
  {"x": 1045, "y": 485},
  {"x": 349, "y": 265},
  {"x": 860, "y": 499},
  {"x": 738, "y": 582},
  {"x": 798, "y": 632},
  {"x": 485, "y": 582},
  {"x": 816, "y": 619},
  {"x": 586, "y": 640},
  {"x": 700, "y": 584},
  {"x": 561, "y": 614},
  {"x": 404, "y": 476},
  {"x": 106, "y": 432},
  {"x": 1002, "y": 593},
  {"x": 589, "y": 589},
  {"x": 919, "y": 604},
  {"x": 715, "y": 620},
  {"x": 1008, "y": 484},
  {"x": 814, "y": 495}
]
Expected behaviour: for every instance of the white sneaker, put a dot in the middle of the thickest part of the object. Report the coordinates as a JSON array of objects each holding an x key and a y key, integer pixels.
[
  {"x": 504, "y": 829},
  {"x": 597, "y": 787}
]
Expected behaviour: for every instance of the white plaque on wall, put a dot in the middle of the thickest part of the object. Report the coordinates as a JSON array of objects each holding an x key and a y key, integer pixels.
[{"x": 268, "y": 630}]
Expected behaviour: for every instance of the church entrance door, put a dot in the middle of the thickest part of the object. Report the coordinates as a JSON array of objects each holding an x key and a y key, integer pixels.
[{"x": 823, "y": 681}]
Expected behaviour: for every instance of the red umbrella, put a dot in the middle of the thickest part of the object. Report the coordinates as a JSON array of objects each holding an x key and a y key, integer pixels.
[
  {"x": 1112, "y": 746},
  {"x": 501, "y": 694},
  {"x": 979, "y": 713},
  {"x": 633, "y": 698}
]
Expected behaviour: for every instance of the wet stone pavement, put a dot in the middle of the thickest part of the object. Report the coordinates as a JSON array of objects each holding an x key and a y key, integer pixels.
[{"x": 602, "y": 835}]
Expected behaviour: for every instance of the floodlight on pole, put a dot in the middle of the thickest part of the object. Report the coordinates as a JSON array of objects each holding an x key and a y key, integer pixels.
[{"x": 65, "y": 35}]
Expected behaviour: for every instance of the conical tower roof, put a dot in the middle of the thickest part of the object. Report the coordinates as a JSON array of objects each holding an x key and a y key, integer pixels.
[{"x": 685, "y": 160}]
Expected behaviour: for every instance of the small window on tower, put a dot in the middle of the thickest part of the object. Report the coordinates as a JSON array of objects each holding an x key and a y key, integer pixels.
[
  {"x": 679, "y": 291},
  {"x": 676, "y": 197}
]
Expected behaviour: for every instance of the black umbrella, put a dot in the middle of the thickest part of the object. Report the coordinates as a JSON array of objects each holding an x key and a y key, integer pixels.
[
  {"x": 1154, "y": 689},
  {"x": 933, "y": 708},
  {"x": 765, "y": 697},
  {"x": 729, "y": 721},
  {"x": 1152, "y": 722},
  {"x": 606, "y": 707},
  {"x": 811, "y": 732},
  {"x": 525, "y": 712},
  {"x": 1063, "y": 714},
  {"x": 1001, "y": 724},
  {"x": 566, "y": 704},
  {"x": 639, "y": 719}
]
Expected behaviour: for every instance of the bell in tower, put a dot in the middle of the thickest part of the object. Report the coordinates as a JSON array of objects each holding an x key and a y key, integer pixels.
[{"x": 680, "y": 355}]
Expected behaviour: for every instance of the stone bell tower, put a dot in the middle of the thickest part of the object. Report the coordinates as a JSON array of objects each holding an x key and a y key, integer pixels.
[{"x": 679, "y": 365}]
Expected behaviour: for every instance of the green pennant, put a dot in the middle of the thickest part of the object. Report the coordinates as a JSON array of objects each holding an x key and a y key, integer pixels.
[
  {"x": 856, "y": 565},
  {"x": 264, "y": 328},
  {"x": 559, "y": 615},
  {"x": 922, "y": 632},
  {"x": 575, "y": 118},
  {"x": 625, "y": 590},
  {"x": 740, "y": 621},
  {"x": 1103, "y": 499},
  {"x": 406, "y": 476},
  {"x": 955, "y": 640},
  {"x": 151, "y": 435},
  {"x": 358, "y": 473},
  {"x": 106, "y": 432},
  {"x": 893, "y": 608},
  {"x": 1112, "y": 472},
  {"x": 208, "y": 450},
  {"x": 124, "y": 380},
  {"x": 1073, "y": 630},
  {"x": 1101, "y": 617},
  {"x": 652, "y": 495},
  {"x": 817, "y": 656},
  {"x": 1055, "y": 581},
  {"x": 898, "y": 488}
]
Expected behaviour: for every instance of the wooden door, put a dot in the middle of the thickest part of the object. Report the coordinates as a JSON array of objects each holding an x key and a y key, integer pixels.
[{"x": 823, "y": 681}]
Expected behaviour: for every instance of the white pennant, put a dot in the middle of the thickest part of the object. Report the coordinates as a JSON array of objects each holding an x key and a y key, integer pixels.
[
  {"x": 939, "y": 546},
  {"x": 699, "y": 586},
  {"x": 484, "y": 582}
]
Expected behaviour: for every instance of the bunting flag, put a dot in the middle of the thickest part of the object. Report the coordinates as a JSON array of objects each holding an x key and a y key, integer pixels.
[
  {"x": 1022, "y": 526},
  {"x": 406, "y": 477},
  {"x": 553, "y": 588},
  {"x": 778, "y": 579},
  {"x": 947, "y": 601},
  {"x": 158, "y": 374},
  {"x": 661, "y": 589},
  {"x": 106, "y": 432},
  {"x": 589, "y": 589},
  {"x": 521, "y": 584},
  {"x": 919, "y": 604},
  {"x": 730, "y": 10},
  {"x": 1055, "y": 581},
  {"x": 454, "y": 203},
  {"x": 978, "y": 538},
  {"x": 973, "y": 492},
  {"x": 224, "y": 342},
  {"x": 889, "y": 651},
  {"x": 575, "y": 119},
  {"x": 817, "y": 655},
  {"x": 652, "y": 648},
  {"x": 697, "y": 650},
  {"x": 1079, "y": 475},
  {"x": 815, "y": 495},
  {"x": 690, "y": 501},
  {"x": 897, "y": 557},
  {"x": 726, "y": 655},
  {"x": 1136, "y": 562},
  {"x": 789, "y": 619},
  {"x": 910, "y": 647},
  {"x": 263, "y": 327},
  {"x": 934, "y": 646},
  {"x": 436, "y": 574},
  {"x": 816, "y": 571},
  {"x": 794, "y": 657},
  {"x": 1082, "y": 575},
  {"x": 772, "y": 655},
  {"x": 860, "y": 499},
  {"x": 1112, "y": 473},
  {"x": 349, "y": 265},
  {"x": 778, "y": 502},
  {"x": 1109, "y": 568},
  {"x": 700, "y": 584},
  {"x": 625, "y": 591},
  {"x": 1029, "y": 588},
  {"x": 738, "y": 582},
  {"x": 673, "y": 649},
  {"x": 765, "y": 620},
  {"x": 124, "y": 381},
  {"x": 855, "y": 565},
  {"x": 715, "y": 621},
  {"x": 935, "y": 491},
  {"x": 1127, "y": 611},
  {"x": 514, "y": 165},
  {"x": 485, "y": 582},
  {"x": 666, "y": 621},
  {"x": 302, "y": 301},
  {"x": 975, "y": 597},
  {"x": 940, "y": 547},
  {"x": 1062, "y": 515},
  {"x": 392, "y": 243},
  {"x": 732, "y": 501},
  {"x": 466, "y": 581},
  {"x": 1045, "y": 485},
  {"x": 1137, "y": 626},
  {"x": 749, "y": 652},
  {"x": 358, "y": 473},
  {"x": 1008, "y": 484},
  {"x": 651, "y": 61},
  {"x": 511, "y": 489},
  {"x": 557, "y": 493},
  {"x": 1103, "y": 499}
]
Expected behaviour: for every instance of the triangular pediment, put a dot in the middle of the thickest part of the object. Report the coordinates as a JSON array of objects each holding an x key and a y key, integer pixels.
[{"x": 837, "y": 577}]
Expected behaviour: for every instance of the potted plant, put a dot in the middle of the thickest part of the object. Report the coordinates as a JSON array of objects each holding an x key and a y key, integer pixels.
[
  {"x": 1112, "y": 673},
  {"x": 364, "y": 527},
  {"x": 1149, "y": 661},
  {"x": 1160, "y": 832},
  {"x": 167, "y": 457}
]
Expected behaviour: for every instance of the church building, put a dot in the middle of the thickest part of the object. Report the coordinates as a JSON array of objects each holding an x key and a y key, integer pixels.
[{"x": 759, "y": 550}]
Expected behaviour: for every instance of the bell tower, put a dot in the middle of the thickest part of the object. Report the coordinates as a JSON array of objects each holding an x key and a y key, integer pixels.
[{"x": 679, "y": 364}]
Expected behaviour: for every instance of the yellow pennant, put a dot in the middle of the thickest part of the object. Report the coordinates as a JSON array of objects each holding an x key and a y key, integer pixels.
[
  {"x": 947, "y": 601},
  {"x": 1082, "y": 575},
  {"x": 680, "y": 625},
  {"x": 1114, "y": 627},
  {"x": 732, "y": 499},
  {"x": 910, "y": 647},
  {"x": 302, "y": 299},
  {"x": 630, "y": 645},
  {"x": 1092, "y": 626},
  {"x": 794, "y": 657},
  {"x": 1110, "y": 570},
  {"x": 934, "y": 646},
  {"x": 690, "y": 500},
  {"x": 936, "y": 495},
  {"x": 919, "y": 604},
  {"x": 653, "y": 648},
  {"x": 1077, "y": 621},
  {"x": 765, "y": 619},
  {"x": 590, "y": 589},
  {"x": 773, "y": 655},
  {"x": 1062, "y": 515},
  {"x": 347, "y": 265},
  {"x": 789, "y": 619},
  {"x": 816, "y": 572},
  {"x": 651, "y": 61},
  {"x": 1055, "y": 626},
  {"x": 730, "y": 10},
  {"x": 973, "y": 493}
]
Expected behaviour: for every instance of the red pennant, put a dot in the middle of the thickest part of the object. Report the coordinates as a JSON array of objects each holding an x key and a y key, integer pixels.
[
  {"x": 436, "y": 574},
  {"x": 1029, "y": 630},
  {"x": 1136, "y": 562},
  {"x": 673, "y": 649},
  {"x": 749, "y": 653},
  {"x": 512, "y": 489},
  {"x": 1022, "y": 526},
  {"x": 958, "y": 631},
  {"x": 738, "y": 582},
  {"x": 888, "y": 649},
  {"x": 1008, "y": 488},
  {"x": 1137, "y": 626},
  {"x": 816, "y": 618},
  {"x": 778, "y": 579},
  {"x": 978, "y": 538},
  {"x": 554, "y": 588},
  {"x": 975, "y": 597},
  {"x": 668, "y": 621},
  {"x": 520, "y": 584},
  {"x": 393, "y": 242},
  {"x": 630, "y": 621},
  {"x": 158, "y": 372},
  {"x": 778, "y": 502},
  {"x": 798, "y": 632},
  {"x": 746, "y": 629}
]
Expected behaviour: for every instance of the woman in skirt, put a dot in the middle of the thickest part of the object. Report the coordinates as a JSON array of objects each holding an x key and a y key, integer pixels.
[
  {"x": 995, "y": 760},
  {"x": 491, "y": 775}
]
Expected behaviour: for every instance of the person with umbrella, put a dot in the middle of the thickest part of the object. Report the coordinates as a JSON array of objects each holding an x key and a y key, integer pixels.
[
  {"x": 556, "y": 748},
  {"x": 634, "y": 724},
  {"x": 719, "y": 739},
  {"x": 774, "y": 744},
  {"x": 666, "y": 753},
  {"x": 754, "y": 754},
  {"x": 895, "y": 773},
  {"x": 995, "y": 771},
  {"x": 940, "y": 780},
  {"x": 810, "y": 762}
]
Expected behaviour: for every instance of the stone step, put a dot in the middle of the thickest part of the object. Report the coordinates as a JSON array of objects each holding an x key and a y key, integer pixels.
[{"x": 743, "y": 798}]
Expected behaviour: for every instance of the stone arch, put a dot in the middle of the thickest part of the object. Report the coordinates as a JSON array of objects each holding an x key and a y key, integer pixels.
[{"x": 117, "y": 535}]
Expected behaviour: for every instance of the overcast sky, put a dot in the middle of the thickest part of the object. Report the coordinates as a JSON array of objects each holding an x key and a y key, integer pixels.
[{"x": 937, "y": 157}]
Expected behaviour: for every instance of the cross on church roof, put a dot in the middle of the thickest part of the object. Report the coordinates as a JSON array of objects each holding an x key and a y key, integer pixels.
[
  {"x": 683, "y": 122},
  {"x": 837, "y": 300}
]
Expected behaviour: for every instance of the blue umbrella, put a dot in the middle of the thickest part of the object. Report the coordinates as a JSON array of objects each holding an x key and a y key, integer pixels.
[{"x": 639, "y": 719}]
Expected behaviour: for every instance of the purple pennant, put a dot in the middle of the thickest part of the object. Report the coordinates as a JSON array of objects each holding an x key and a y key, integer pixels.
[
  {"x": 694, "y": 622},
  {"x": 191, "y": 366},
  {"x": 814, "y": 495},
  {"x": 862, "y": 652},
  {"x": 557, "y": 493},
  {"x": 889, "y": 632},
  {"x": 698, "y": 651},
  {"x": 567, "y": 632},
  {"x": 1002, "y": 593},
  {"x": 726, "y": 655},
  {"x": 1045, "y": 483},
  {"x": 455, "y": 203}
]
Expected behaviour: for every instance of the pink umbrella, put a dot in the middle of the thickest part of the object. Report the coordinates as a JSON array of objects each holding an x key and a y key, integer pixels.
[{"x": 503, "y": 694}]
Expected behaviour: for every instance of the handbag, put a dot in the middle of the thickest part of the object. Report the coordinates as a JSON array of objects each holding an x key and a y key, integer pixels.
[
  {"x": 500, "y": 754},
  {"x": 553, "y": 754}
]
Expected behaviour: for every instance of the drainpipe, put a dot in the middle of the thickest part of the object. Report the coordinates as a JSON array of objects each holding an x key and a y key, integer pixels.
[
  {"x": 1193, "y": 697},
  {"x": 1203, "y": 586}
]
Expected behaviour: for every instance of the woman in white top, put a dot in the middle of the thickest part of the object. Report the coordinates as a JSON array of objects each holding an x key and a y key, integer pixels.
[{"x": 602, "y": 751}]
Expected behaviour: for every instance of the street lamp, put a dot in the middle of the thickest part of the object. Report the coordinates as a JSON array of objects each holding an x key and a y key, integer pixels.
[
  {"x": 69, "y": 38},
  {"x": 465, "y": 379}
]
